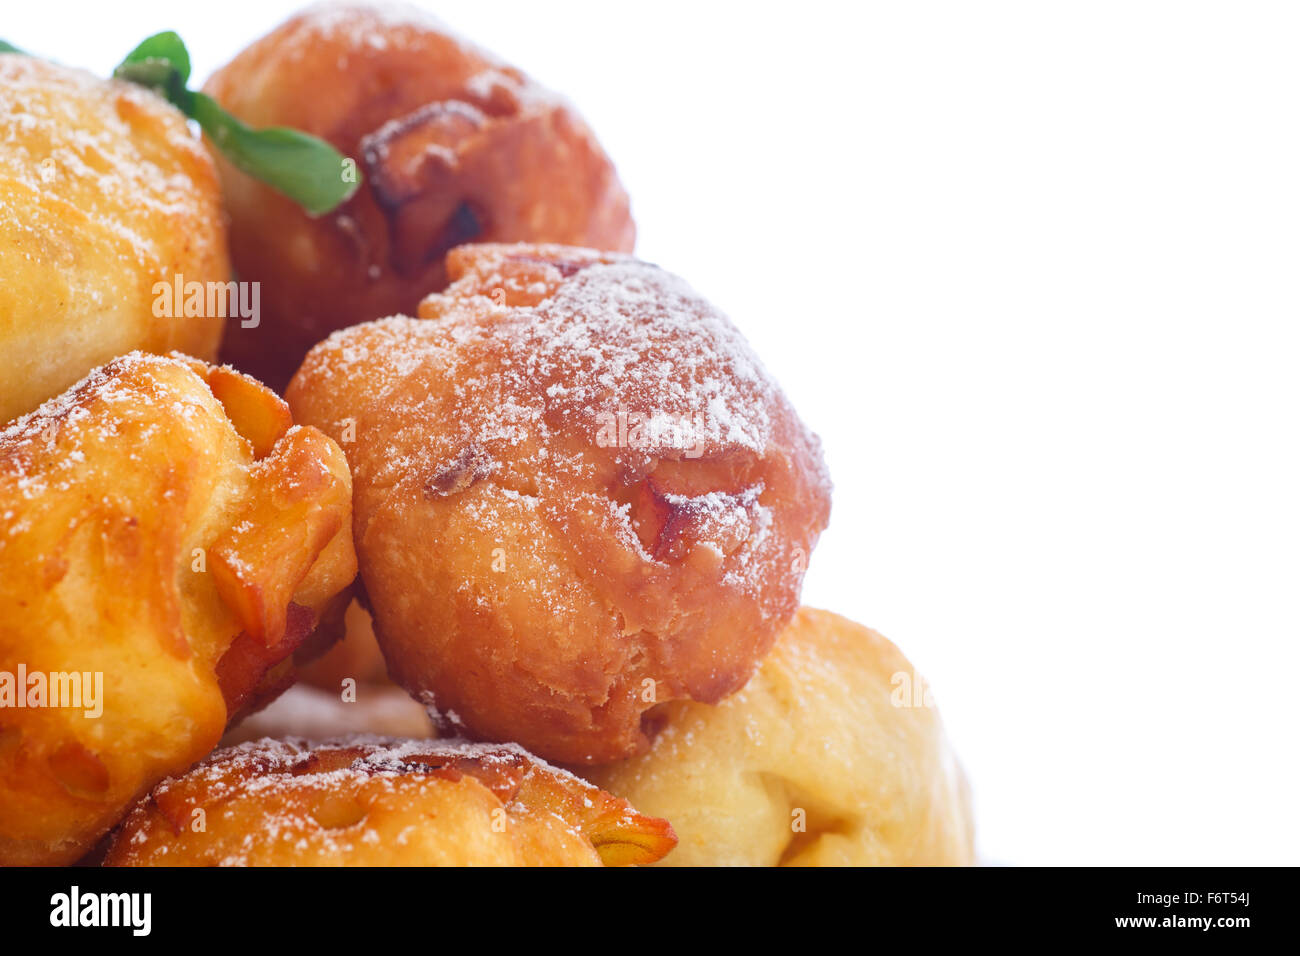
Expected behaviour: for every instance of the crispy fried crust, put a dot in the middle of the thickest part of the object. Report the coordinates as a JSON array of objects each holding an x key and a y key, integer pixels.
[
  {"x": 104, "y": 191},
  {"x": 836, "y": 734},
  {"x": 578, "y": 495},
  {"x": 165, "y": 525},
  {"x": 372, "y": 801},
  {"x": 453, "y": 146}
]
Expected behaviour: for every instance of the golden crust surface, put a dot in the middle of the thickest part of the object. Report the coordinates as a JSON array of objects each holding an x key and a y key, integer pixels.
[
  {"x": 578, "y": 495},
  {"x": 837, "y": 733},
  {"x": 104, "y": 191},
  {"x": 385, "y": 802},
  {"x": 453, "y": 146},
  {"x": 163, "y": 524}
]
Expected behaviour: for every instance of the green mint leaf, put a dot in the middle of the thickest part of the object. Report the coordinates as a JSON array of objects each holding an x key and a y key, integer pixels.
[
  {"x": 305, "y": 168},
  {"x": 161, "y": 77},
  {"x": 166, "y": 46},
  {"x": 162, "y": 64}
]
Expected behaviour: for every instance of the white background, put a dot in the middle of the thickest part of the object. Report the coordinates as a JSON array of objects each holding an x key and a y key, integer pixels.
[{"x": 1031, "y": 271}]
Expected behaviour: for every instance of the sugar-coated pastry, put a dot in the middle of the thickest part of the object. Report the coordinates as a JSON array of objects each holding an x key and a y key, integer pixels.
[
  {"x": 104, "y": 194},
  {"x": 451, "y": 144},
  {"x": 168, "y": 539},
  {"x": 377, "y": 802},
  {"x": 833, "y": 755},
  {"x": 578, "y": 495}
]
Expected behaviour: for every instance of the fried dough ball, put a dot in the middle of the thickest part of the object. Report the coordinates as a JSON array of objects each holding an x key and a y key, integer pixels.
[
  {"x": 578, "y": 495},
  {"x": 104, "y": 191},
  {"x": 833, "y": 755},
  {"x": 378, "y": 802},
  {"x": 168, "y": 538},
  {"x": 453, "y": 146}
]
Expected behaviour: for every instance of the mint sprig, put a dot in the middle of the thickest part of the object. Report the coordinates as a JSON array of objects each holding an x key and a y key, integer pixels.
[
  {"x": 162, "y": 64},
  {"x": 305, "y": 168}
]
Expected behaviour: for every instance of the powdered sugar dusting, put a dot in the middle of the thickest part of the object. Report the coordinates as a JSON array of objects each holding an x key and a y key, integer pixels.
[
  {"x": 602, "y": 374},
  {"x": 112, "y": 149},
  {"x": 32, "y": 473},
  {"x": 368, "y": 23},
  {"x": 627, "y": 332},
  {"x": 276, "y": 773}
]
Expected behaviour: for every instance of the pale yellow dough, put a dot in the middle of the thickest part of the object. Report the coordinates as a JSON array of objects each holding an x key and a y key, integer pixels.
[
  {"x": 830, "y": 726},
  {"x": 104, "y": 194}
]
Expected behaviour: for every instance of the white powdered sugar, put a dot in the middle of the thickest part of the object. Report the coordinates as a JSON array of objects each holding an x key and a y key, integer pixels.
[{"x": 617, "y": 399}]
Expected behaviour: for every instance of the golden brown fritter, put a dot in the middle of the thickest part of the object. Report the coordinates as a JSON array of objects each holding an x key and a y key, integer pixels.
[
  {"x": 578, "y": 495},
  {"x": 104, "y": 191},
  {"x": 170, "y": 537},
  {"x": 833, "y": 755},
  {"x": 453, "y": 146},
  {"x": 371, "y": 801}
]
